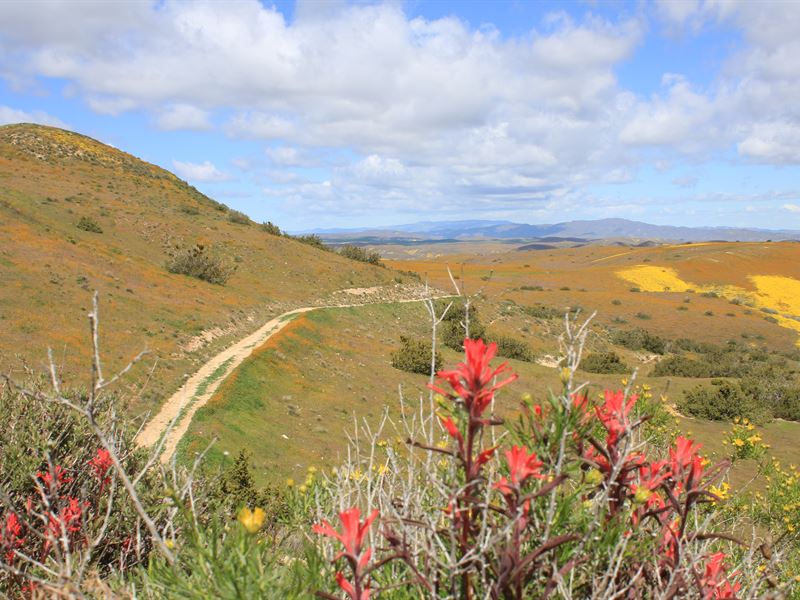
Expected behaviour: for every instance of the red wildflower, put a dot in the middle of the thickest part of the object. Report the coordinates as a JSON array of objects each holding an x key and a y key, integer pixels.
[
  {"x": 353, "y": 533},
  {"x": 470, "y": 379},
  {"x": 100, "y": 464},
  {"x": 614, "y": 414},
  {"x": 11, "y": 536},
  {"x": 715, "y": 584},
  {"x": 685, "y": 462},
  {"x": 68, "y": 521},
  {"x": 521, "y": 466},
  {"x": 580, "y": 404},
  {"x": 452, "y": 429},
  {"x": 60, "y": 477},
  {"x": 352, "y": 538}
]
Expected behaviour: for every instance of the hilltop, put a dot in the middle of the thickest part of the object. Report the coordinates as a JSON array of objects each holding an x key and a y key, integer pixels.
[{"x": 132, "y": 216}]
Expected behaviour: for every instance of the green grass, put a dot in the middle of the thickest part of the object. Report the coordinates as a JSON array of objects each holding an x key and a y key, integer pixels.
[{"x": 309, "y": 380}]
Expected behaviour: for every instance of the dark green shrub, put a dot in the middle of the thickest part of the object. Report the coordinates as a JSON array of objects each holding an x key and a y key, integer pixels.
[
  {"x": 540, "y": 311},
  {"x": 681, "y": 366},
  {"x": 235, "y": 216},
  {"x": 722, "y": 402},
  {"x": 509, "y": 347},
  {"x": 640, "y": 339},
  {"x": 643, "y": 316},
  {"x": 89, "y": 224},
  {"x": 604, "y": 362},
  {"x": 188, "y": 209},
  {"x": 271, "y": 228},
  {"x": 200, "y": 263},
  {"x": 531, "y": 288},
  {"x": 452, "y": 329},
  {"x": 360, "y": 254},
  {"x": 616, "y": 302},
  {"x": 414, "y": 356},
  {"x": 312, "y": 240}
]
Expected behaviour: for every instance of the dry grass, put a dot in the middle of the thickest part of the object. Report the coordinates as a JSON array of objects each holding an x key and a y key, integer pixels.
[{"x": 50, "y": 178}]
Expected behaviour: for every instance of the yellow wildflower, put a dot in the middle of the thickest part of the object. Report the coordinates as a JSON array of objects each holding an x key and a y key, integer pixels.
[
  {"x": 290, "y": 483},
  {"x": 738, "y": 442},
  {"x": 252, "y": 520}
]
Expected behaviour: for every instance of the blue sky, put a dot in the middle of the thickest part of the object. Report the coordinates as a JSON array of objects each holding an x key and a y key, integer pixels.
[{"x": 321, "y": 114}]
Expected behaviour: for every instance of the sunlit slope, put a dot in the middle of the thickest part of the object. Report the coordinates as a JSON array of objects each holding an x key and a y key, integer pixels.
[
  {"x": 648, "y": 286},
  {"x": 50, "y": 179}
]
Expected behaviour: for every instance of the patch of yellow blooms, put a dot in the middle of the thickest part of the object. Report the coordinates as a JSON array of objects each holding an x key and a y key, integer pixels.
[{"x": 772, "y": 291}]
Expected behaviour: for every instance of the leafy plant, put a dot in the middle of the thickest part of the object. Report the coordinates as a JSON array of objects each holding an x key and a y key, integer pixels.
[
  {"x": 89, "y": 224},
  {"x": 414, "y": 356},
  {"x": 201, "y": 263}
]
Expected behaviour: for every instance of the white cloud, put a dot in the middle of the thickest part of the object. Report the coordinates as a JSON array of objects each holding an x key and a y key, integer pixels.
[
  {"x": 205, "y": 171},
  {"x": 792, "y": 208},
  {"x": 422, "y": 112},
  {"x": 10, "y": 115},
  {"x": 183, "y": 116}
]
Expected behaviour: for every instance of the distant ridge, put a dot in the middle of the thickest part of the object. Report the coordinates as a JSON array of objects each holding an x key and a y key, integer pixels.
[{"x": 575, "y": 231}]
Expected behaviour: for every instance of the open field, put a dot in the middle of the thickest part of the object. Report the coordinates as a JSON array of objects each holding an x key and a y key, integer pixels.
[{"x": 293, "y": 401}]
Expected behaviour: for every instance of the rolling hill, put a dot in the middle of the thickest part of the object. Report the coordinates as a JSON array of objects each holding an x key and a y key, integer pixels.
[
  {"x": 77, "y": 215},
  {"x": 601, "y": 229}
]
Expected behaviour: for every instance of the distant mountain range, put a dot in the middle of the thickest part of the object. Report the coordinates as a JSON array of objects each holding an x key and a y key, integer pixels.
[{"x": 602, "y": 229}]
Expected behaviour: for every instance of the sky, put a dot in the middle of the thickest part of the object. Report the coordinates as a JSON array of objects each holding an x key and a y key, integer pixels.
[{"x": 357, "y": 114}]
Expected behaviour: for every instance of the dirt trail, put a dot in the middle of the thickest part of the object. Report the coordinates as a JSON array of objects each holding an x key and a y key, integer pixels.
[{"x": 198, "y": 389}]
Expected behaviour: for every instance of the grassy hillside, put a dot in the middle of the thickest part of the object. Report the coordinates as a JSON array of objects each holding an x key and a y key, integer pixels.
[
  {"x": 51, "y": 179},
  {"x": 714, "y": 291}
]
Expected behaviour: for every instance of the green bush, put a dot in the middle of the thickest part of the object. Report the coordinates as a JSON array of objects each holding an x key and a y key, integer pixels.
[
  {"x": 235, "y": 216},
  {"x": 312, "y": 240},
  {"x": 188, "y": 209},
  {"x": 89, "y": 224},
  {"x": 452, "y": 330},
  {"x": 540, "y": 311},
  {"x": 200, "y": 263},
  {"x": 360, "y": 254},
  {"x": 722, "y": 402},
  {"x": 604, "y": 362},
  {"x": 414, "y": 356},
  {"x": 509, "y": 347},
  {"x": 271, "y": 228},
  {"x": 640, "y": 339}
]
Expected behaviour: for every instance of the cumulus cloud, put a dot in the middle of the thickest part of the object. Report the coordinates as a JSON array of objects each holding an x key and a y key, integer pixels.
[
  {"x": 10, "y": 115},
  {"x": 203, "y": 172},
  {"x": 183, "y": 116},
  {"x": 424, "y": 112}
]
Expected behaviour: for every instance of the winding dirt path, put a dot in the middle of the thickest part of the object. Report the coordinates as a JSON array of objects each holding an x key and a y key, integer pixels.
[{"x": 181, "y": 407}]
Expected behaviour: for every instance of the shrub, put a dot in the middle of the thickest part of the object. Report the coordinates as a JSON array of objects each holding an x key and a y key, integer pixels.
[
  {"x": 199, "y": 262},
  {"x": 540, "y": 311},
  {"x": 531, "y": 288},
  {"x": 189, "y": 209},
  {"x": 640, "y": 339},
  {"x": 270, "y": 228},
  {"x": 452, "y": 329},
  {"x": 414, "y": 356},
  {"x": 360, "y": 254},
  {"x": 89, "y": 224},
  {"x": 721, "y": 402},
  {"x": 509, "y": 347},
  {"x": 312, "y": 240},
  {"x": 604, "y": 362},
  {"x": 616, "y": 302},
  {"x": 744, "y": 441},
  {"x": 235, "y": 216},
  {"x": 643, "y": 316}
]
